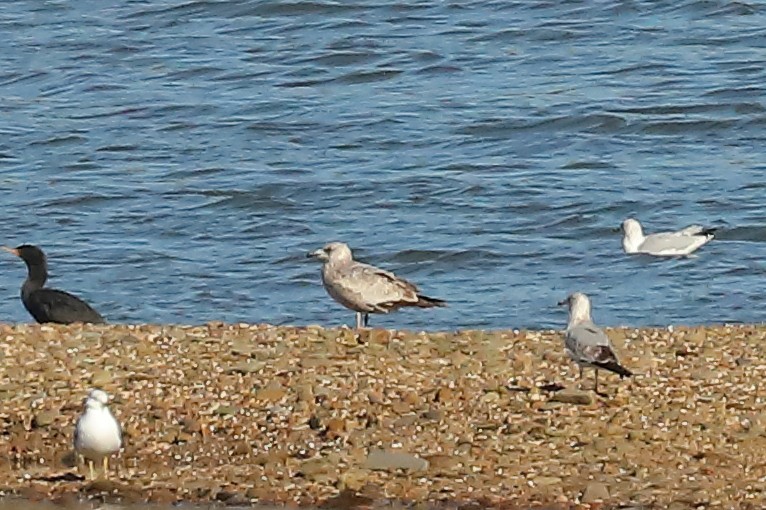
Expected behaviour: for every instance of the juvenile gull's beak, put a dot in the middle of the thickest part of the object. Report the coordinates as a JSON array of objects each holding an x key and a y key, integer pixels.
[
  {"x": 314, "y": 254},
  {"x": 11, "y": 250},
  {"x": 564, "y": 302}
]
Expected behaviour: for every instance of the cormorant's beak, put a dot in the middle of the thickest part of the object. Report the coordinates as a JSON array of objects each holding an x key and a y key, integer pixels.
[{"x": 11, "y": 250}]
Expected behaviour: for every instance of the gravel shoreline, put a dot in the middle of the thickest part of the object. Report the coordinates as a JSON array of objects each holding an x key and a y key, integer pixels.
[{"x": 258, "y": 414}]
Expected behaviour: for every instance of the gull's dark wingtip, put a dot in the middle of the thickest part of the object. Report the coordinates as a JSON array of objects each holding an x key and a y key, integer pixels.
[
  {"x": 429, "y": 302},
  {"x": 615, "y": 367}
]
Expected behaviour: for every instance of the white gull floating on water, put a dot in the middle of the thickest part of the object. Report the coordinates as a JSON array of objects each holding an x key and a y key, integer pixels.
[
  {"x": 97, "y": 434},
  {"x": 664, "y": 244},
  {"x": 587, "y": 344},
  {"x": 364, "y": 288}
]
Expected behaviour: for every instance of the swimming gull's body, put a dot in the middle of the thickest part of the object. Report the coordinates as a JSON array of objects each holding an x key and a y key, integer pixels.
[
  {"x": 97, "y": 434},
  {"x": 364, "y": 288},
  {"x": 587, "y": 344},
  {"x": 664, "y": 244}
]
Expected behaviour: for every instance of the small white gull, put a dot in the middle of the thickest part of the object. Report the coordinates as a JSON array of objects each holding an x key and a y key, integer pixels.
[
  {"x": 664, "y": 244},
  {"x": 587, "y": 344},
  {"x": 97, "y": 435},
  {"x": 364, "y": 288}
]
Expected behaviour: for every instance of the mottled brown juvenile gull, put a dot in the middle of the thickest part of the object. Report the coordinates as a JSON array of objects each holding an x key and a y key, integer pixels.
[
  {"x": 364, "y": 288},
  {"x": 587, "y": 344},
  {"x": 664, "y": 244}
]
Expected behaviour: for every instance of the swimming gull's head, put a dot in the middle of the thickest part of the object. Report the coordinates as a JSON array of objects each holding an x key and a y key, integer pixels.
[
  {"x": 632, "y": 235},
  {"x": 632, "y": 229}
]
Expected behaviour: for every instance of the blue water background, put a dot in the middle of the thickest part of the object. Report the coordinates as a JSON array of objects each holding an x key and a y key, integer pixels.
[{"x": 178, "y": 159}]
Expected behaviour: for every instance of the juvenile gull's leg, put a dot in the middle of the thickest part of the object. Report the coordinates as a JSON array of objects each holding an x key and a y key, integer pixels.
[
  {"x": 358, "y": 320},
  {"x": 92, "y": 471}
]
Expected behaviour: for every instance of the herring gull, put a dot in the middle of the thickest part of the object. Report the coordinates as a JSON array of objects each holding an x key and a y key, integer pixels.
[
  {"x": 97, "y": 435},
  {"x": 364, "y": 288},
  {"x": 664, "y": 244},
  {"x": 587, "y": 344}
]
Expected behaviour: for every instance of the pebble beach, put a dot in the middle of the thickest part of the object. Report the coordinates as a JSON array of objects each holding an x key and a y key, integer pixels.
[{"x": 305, "y": 416}]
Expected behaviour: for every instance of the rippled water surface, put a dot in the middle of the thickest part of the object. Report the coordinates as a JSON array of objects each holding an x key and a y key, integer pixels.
[{"x": 178, "y": 159}]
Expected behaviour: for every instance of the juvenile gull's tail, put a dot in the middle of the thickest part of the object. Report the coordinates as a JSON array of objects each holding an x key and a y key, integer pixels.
[{"x": 429, "y": 302}]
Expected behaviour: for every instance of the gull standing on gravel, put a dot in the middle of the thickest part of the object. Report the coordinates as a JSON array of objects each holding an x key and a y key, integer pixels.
[
  {"x": 97, "y": 435},
  {"x": 587, "y": 344},
  {"x": 664, "y": 244},
  {"x": 364, "y": 288}
]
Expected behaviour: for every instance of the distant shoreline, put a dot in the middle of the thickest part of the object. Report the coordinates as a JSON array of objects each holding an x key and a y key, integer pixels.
[{"x": 258, "y": 414}]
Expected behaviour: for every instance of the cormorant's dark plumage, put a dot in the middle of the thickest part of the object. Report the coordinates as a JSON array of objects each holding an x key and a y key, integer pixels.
[{"x": 49, "y": 305}]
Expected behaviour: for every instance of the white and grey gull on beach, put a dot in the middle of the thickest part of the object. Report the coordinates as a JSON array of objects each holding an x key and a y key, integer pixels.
[
  {"x": 587, "y": 344},
  {"x": 664, "y": 244},
  {"x": 364, "y": 288},
  {"x": 97, "y": 434}
]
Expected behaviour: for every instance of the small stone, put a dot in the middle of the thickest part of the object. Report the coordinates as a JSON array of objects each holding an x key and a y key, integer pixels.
[
  {"x": 44, "y": 418},
  {"x": 544, "y": 481},
  {"x": 231, "y": 498},
  {"x": 100, "y": 378},
  {"x": 312, "y": 467},
  {"x": 443, "y": 462},
  {"x": 270, "y": 394},
  {"x": 191, "y": 426},
  {"x": 445, "y": 395},
  {"x": 336, "y": 425},
  {"x": 163, "y": 496},
  {"x": 306, "y": 393},
  {"x": 225, "y": 410},
  {"x": 433, "y": 415},
  {"x": 406, "y": 420},
  {"x": 348, "y": 500},
  {"x": 412, "y": 398},
  {"x": 242, "y": 448},
  {"x": 595, "y": 491},
  {"x": 380, "y": 336},
  {"x": 246, "y": 367},
  {"x": 241, "y": 346},
  {"x": 271, "y": 457},
  {"x": 353, "y": 479},
  {"x": 572, "y": 396},
  {"x": 315, "y": 423},
  {"x": 399, "y": 407},
  {"x": 383, "y": 460}
]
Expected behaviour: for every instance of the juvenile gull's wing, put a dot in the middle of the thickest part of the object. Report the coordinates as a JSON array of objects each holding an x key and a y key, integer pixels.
[{"x": 377, "y": 288}]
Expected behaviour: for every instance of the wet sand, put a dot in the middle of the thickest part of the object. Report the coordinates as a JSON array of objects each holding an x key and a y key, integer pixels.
[{"x": 256, "y": 414}]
